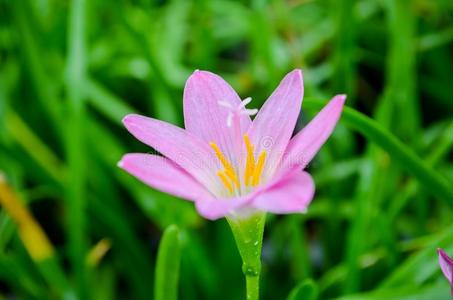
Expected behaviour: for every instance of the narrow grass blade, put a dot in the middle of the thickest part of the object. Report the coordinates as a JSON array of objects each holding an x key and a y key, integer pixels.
[
  {"x": 167, "y": 267},
  {"x": 75, "y": 143},
  {"x": 306, "y": 290}
]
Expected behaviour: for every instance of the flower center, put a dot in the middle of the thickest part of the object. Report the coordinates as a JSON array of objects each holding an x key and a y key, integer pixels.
[{"x": 251, "y": 177}]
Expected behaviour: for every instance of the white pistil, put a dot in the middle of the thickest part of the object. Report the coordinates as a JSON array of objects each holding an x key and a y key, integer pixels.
[
  {"x": 238, "y": 110},
  {"x": 250, "y": 112},
  {"x": 245, "y": 102}
]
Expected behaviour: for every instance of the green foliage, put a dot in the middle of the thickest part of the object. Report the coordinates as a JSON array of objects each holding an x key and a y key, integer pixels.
[
  {"x": 71, "y": 70},
  {"x": 167, "y": 265},
  {"x": 306, "y": 290}
]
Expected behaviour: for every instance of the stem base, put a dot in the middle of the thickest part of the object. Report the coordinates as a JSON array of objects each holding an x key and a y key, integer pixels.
[{"x": 248, "y": 234}]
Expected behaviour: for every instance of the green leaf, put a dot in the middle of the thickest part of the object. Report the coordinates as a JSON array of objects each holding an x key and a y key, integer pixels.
[
  {"x": 167, "y": 267},
  {"x": 306, "y": 290},
  {"x": 76, "y": 191}
]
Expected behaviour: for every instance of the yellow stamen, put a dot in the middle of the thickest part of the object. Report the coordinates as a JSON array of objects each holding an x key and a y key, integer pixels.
[
  {"x": 30, "y": 232},
  {"x": 253, "y": 168},
  {"x": 250, "y": 163},
  {"x": 229, "y": 170},
  {"x": 225, "y": 181},
  {"x": 259, "y": 168},
  {"x": 220, "y": 156},
  {"x": 232, "y": 175}
]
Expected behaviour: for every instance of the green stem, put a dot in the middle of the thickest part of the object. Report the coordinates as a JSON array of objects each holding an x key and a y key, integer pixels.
[
  {"x": 253, "y": 287},
  {"x": 248, "y": 234}
]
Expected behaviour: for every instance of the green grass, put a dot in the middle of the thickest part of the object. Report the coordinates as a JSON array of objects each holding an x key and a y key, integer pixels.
[{"x": 70, "y": 70}]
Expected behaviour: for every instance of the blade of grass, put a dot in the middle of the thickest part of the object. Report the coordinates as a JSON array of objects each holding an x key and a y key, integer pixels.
[
  {"x": 306, "y": 290},
  {"x": 167, "y": 266},
  {"x": 75, "y": 144}
]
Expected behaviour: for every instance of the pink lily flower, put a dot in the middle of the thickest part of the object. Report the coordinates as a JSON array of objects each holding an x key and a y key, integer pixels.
[
  {"x": 226, "y": 163},
  {"x": 446, "y": 264}
]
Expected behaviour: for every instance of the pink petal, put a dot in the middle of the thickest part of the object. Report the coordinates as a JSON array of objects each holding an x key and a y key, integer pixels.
[
  {"x": 185, "y": 149},
  {"x": 304, "y": 146},
  {"x": 446, "y": 264},
  {"x": 292, "y": 194},
  {"x": 274, "y": 124},
  {"x": 162, "y": 174},
  {"x": 206, "y": 118},
  {"x": 214, "y": 208}
]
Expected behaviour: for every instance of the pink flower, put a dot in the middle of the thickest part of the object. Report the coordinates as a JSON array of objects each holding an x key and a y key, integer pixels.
[
  {"x": 446, "y": 264},
  {"x": 226, "y": 163}
]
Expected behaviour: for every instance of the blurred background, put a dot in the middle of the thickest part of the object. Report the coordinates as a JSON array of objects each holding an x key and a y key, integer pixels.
[{"x": 70, "y": 70}]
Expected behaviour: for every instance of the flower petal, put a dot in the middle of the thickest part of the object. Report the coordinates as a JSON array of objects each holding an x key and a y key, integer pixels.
[
  {"x": 446, "y": 264},
  {"x": 162, "y": 174},
  {"x": 304, "y": 146},
  {"x": 274, "y": 124},
  {"x": 206, "y": 118},
  {"x": 214, "y": 208},
  {"x": 292, "y": 194},
  {"x": 185, "y": 149}
]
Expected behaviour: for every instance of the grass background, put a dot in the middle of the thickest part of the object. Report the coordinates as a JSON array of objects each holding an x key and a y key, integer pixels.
[{"x": 70, "y": 70}]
